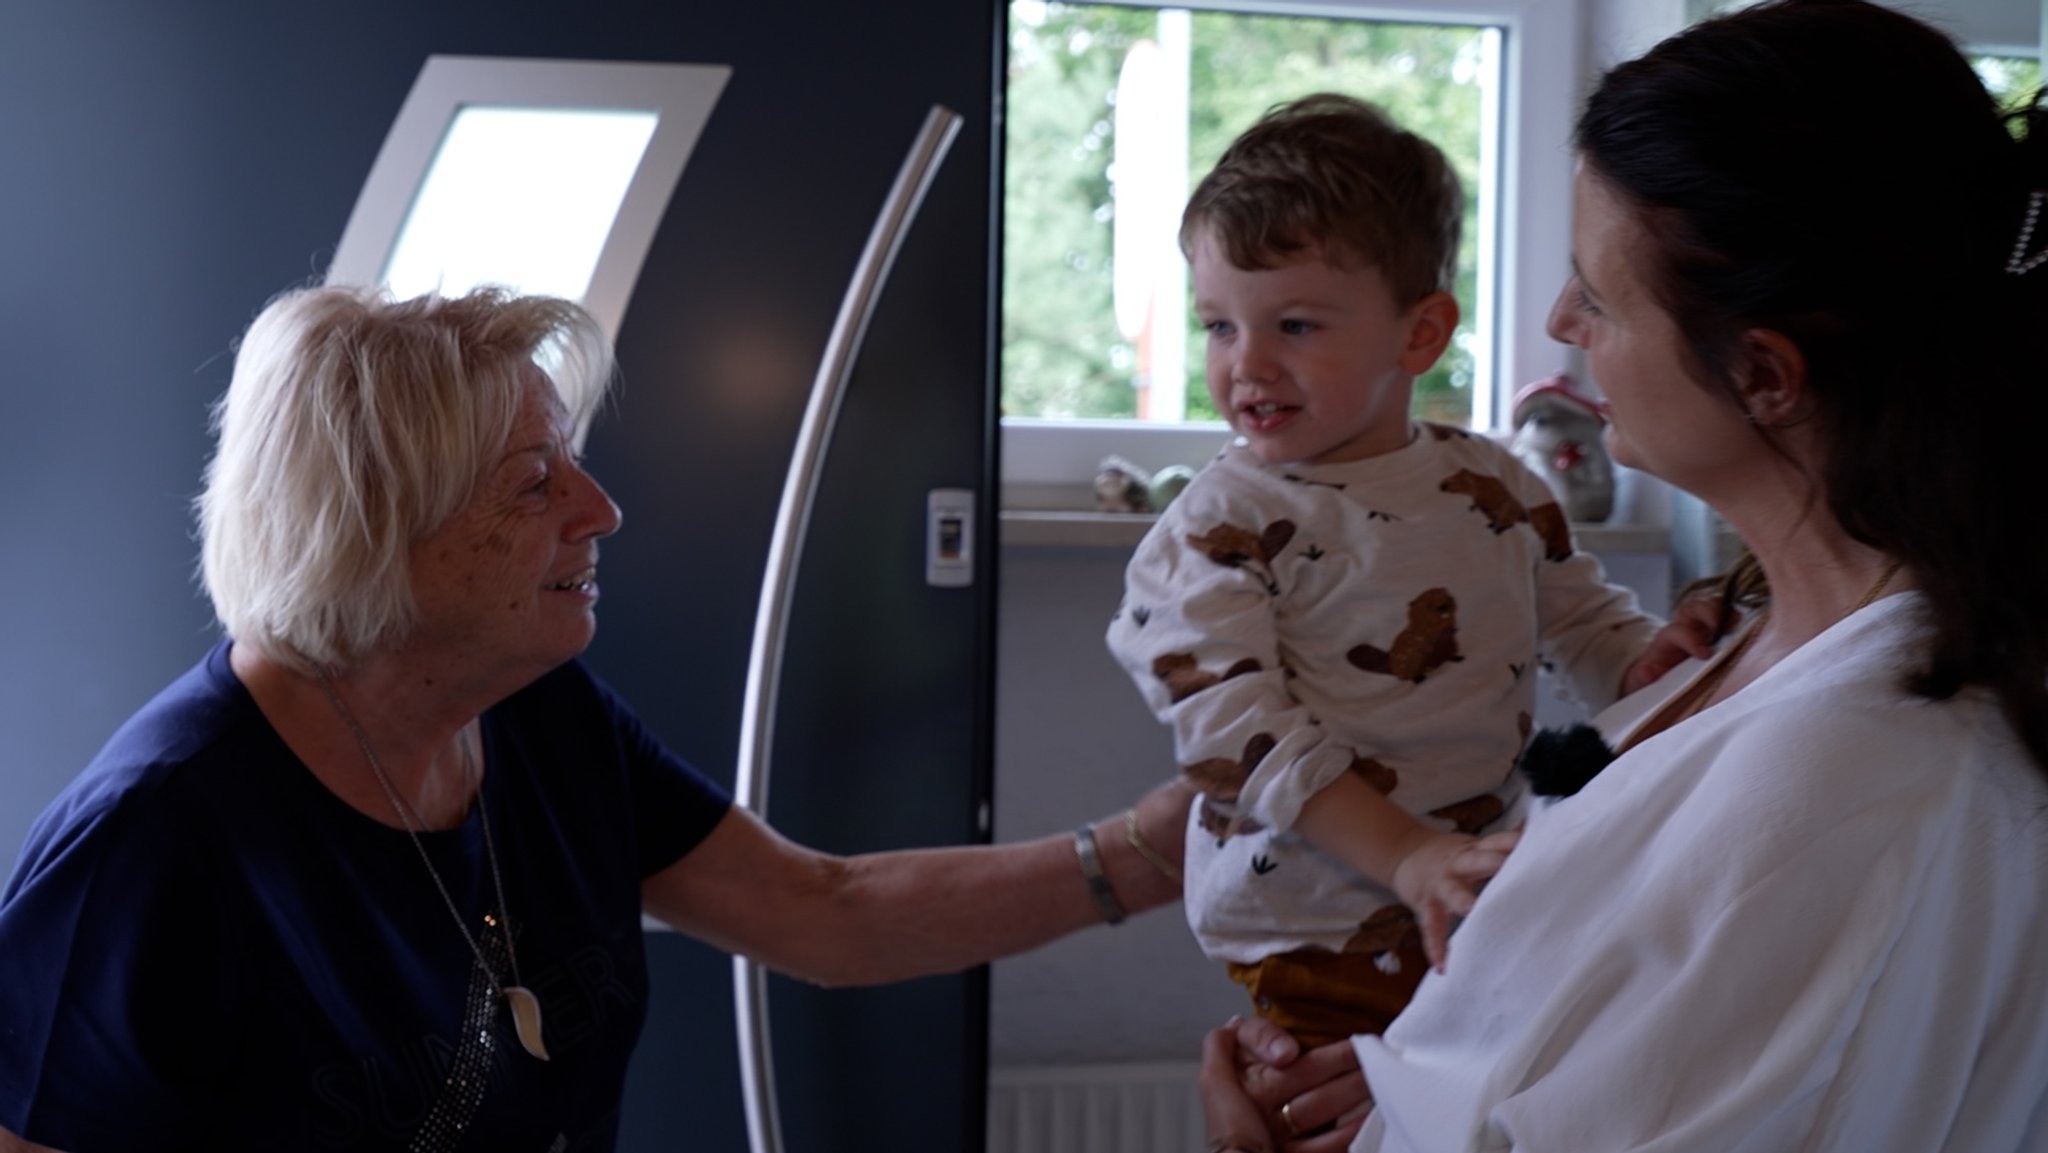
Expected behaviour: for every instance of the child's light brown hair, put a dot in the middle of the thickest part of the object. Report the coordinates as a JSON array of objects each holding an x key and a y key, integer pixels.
[{"x": 1333, "y": 173}]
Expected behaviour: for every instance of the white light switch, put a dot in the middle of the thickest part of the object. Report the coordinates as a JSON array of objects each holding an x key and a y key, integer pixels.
[{"x": 949, "y": 538}]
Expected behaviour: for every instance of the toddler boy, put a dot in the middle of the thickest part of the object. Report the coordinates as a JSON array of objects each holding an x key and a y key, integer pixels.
[{"x": 1343, "y": 615}]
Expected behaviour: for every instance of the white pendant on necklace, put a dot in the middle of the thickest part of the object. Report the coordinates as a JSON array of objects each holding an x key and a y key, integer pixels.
[{"x": 526, "y": 1019}]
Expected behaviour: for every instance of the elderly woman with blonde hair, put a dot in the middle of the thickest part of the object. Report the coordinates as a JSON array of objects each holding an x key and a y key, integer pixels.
[{"x": 371, "y": 874}]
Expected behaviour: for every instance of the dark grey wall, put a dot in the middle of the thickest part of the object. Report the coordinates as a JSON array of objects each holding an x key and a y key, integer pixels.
[
  {"x": 144, "y": 212},
  {"x": 166, "y": 167}
]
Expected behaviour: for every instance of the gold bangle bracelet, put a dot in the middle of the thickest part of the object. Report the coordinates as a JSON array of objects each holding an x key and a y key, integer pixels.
[{"x": 1145, "y": 850}]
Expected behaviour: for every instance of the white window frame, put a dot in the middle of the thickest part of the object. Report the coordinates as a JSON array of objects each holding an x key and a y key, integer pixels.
[
  {"x": 681, "y": 95},
  {"x": 1543, "y": 43}
]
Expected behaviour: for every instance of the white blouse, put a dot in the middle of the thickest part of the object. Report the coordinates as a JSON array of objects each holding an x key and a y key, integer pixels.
[{"x": 1809, "y": 917}]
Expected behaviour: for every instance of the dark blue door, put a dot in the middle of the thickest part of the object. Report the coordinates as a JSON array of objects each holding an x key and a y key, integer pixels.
[{"x": 169, "y": 166}]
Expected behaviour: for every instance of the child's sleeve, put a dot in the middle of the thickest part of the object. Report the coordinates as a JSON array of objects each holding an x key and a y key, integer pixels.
[
  {"x": 1588, "y": 631},
  {"x": 1196, "y": 633}
]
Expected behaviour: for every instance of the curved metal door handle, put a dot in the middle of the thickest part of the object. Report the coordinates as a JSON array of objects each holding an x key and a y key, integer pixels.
[{"x": 785, "y": 548}]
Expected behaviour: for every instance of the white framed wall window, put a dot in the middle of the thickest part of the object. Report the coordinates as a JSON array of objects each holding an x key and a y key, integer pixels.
[
  {"x": 1511, "y": 67},
  {"x": 547, "y": 176}
]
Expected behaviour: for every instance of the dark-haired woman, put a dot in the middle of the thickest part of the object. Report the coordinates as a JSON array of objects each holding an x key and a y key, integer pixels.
[{"x": 1804, "y": 907}]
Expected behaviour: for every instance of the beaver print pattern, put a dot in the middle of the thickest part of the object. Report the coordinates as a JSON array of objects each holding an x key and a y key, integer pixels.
[
  {"x": 1222, "y": 778},
  {"x": 1387, "y": 929},
  {"x": 1549, "y": 521},
  {"x": 1379, "y": 776},
  {"x": 1428, "y": 643},
  {"x": 1373, "y": 618},
  {"x": 1184, "y": 676},
  {"x": 1490, "y": 498},
  {"x": 1241, "y": 548}
]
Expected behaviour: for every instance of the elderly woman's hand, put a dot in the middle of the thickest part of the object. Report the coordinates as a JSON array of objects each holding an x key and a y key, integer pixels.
[{"x": 1262, "y": 1092}]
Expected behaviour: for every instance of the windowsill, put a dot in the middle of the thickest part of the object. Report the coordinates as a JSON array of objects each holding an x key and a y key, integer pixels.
[{"x": 1055, "y": 528}]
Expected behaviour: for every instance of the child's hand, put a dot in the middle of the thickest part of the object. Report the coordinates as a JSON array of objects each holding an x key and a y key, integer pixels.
[
  {"x": 1691, "y": 633},
  {"x": 1440, "y": 879}
]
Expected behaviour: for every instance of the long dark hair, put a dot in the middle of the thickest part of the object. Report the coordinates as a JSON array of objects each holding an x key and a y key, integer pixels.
[{"x": 1834, "y": 171}]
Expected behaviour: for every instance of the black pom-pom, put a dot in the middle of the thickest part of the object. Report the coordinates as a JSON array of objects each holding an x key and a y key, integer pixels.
[{"x": 1559, "y": 762}]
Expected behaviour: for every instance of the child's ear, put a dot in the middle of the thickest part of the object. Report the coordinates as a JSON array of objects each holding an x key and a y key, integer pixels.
[{"x": 1430, "y": 322}]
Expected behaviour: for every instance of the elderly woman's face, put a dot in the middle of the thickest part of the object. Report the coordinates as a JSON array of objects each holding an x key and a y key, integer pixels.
[
  {"x": 1661, "y": 420},
  {"x": 510, "y": 583}
]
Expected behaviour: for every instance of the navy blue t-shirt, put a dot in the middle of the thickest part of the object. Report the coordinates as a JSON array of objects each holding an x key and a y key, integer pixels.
[{"x": 203, "y": 948}]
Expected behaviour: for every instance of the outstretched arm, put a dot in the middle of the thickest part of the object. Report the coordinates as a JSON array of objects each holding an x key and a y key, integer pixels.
[
  {"x": 1437, "y": 874},
  {"x": 880, "y": 917}
]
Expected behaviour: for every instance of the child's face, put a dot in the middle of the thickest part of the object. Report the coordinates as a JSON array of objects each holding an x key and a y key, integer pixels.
[{"x": 1311, "y": 362}]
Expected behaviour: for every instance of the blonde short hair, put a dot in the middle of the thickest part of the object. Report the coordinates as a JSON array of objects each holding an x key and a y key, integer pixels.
[{"x": 353, "y": 426}]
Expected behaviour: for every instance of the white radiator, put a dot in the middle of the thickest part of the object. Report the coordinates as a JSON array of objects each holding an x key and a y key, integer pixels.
[{"x": 1141, "y": 1108}]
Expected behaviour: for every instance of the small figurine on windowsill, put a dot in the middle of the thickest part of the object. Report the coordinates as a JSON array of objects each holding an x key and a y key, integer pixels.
[
  {"x": 1557, "y": 434},
  {"x": 1167, "y": 483},
  {"x": 1122, "y": 487}
]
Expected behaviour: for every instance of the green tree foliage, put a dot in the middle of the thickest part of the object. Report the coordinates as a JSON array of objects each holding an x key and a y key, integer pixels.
[
  {"x": 1062, "y": 354},
  {"x": 2015, "y": 81}
]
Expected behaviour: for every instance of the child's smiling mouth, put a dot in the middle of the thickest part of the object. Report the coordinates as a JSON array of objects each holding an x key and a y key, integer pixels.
[{"x": 1265, "y": 415}]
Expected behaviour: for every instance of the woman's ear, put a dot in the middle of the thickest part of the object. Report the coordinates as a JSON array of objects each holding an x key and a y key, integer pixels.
[
  {"x": 1431, "y": 321},
  {"x": 1773, "y": 380}
]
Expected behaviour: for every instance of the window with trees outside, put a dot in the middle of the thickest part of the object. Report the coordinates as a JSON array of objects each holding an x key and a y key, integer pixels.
[
  {"x": 2014, "y": 80},
  {"x": 1114, "y": 113}
]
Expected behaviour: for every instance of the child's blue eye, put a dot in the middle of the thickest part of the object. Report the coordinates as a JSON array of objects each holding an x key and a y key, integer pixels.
[
  {"x": 1217, "y": 327},
  {"x": 1583, "y": 301},
  {"x": 1295, "y": 327}
]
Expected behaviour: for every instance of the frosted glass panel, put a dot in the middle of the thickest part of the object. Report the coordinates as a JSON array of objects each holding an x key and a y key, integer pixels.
[
  {"x": 546, "y": 175},
  {"x": 523, "y": 197}
]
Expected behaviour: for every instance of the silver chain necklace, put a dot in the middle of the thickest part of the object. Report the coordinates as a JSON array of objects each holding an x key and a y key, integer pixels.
[{"x": 525, "y": 1006}]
